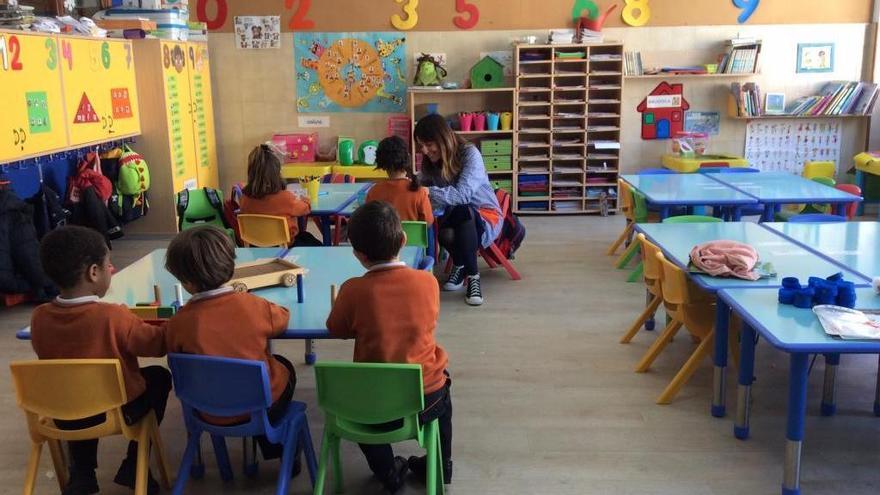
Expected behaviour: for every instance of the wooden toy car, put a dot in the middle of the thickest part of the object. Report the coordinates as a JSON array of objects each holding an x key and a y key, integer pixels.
[{"x": 266, "y": 273}]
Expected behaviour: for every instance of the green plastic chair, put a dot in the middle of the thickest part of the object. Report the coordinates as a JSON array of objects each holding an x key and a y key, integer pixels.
[
  {"x": 195, "y": 208},
  {"x": 416, "y": 233},
  {"x": 692, "y": 219},
  {"x": 640, "y": 214},
  {"x": 356, "y": 397}
]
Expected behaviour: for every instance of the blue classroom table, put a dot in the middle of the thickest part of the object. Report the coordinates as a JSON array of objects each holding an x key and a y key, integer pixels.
[
  {"x": 325, "y": 266},
  {"x": 798, "y": 333},
  {"x": 851, "y": 244},
  {"x": 671, "y": 190},
  {"x": 774, "y": 189},
  {"x": 333, "y": 200},
  {"x": 789, "y": 259}
]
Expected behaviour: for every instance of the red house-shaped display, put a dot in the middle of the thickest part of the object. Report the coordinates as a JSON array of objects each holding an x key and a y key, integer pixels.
[{"x": 663, "y": 111}]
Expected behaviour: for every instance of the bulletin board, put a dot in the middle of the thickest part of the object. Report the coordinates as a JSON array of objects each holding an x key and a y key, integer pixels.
[
  {"x": 99, "y": 89},
  {"x": 32, "y": 119},
  {"x": 448, "y": 15},
  {"x": 784, "y": 146},
  {"x": 175, "y": 72}
]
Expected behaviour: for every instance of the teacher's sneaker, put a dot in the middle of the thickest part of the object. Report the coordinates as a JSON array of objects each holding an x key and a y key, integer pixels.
[
  {"x": 455, "y": 280},
  {"x": 474, "y": 295}
]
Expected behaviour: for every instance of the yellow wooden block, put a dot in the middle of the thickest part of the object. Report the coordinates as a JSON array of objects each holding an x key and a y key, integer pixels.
[
  {"x": 100, "y": 91},
  {"x": 360, "y": 171},
  {"x": 689, "y": 165},
  {"x": 32, "y": 118},
  {"x": 292, "y": 171}
]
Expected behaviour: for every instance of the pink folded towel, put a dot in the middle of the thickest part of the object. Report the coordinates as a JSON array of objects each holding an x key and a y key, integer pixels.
[{"x": 726, "y": 259}]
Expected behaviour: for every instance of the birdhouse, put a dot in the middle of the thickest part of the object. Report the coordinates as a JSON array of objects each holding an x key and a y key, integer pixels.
[{"x": 487, "y": 73}]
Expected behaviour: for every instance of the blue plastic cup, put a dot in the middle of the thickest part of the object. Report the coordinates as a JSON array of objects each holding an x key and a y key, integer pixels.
[
  {"x": 433, "y": 108},
  {"x": 493, "y": 121}
]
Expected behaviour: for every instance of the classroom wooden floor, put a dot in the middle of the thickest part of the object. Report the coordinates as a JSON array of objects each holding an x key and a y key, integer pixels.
[{"x": 545, "y": 398}]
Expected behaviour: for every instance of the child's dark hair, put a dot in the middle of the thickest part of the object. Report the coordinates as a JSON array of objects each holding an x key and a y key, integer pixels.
[
  {"x": 201, "y": 256},
  {"x": 264, "y": 172},
  {"x": 67, "y": 252},
  {"x": 392, "y": 156},
  {"x": 375, "y": 231}
]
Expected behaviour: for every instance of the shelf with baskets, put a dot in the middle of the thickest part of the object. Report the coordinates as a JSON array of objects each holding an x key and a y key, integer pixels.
[
  {"x": 496, "y": 145},
  {"x": 568, "y": 128}
]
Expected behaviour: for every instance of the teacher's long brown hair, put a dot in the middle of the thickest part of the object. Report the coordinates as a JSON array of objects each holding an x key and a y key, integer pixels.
[{"x": 434, "y": 129}]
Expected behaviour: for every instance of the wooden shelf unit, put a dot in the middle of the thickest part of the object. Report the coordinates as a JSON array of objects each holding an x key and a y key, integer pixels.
[
  {"x": 452, "y": 101},
  {"x": 563, "y": 106},
  {"x": 769, "y": 117},
  {"x": 745, "y": 75}
]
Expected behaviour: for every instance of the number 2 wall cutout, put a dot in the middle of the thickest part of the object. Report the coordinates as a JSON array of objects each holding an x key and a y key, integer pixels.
[
  {"x": 748, "y": 8},
  {"x": 636, "y": 12}
]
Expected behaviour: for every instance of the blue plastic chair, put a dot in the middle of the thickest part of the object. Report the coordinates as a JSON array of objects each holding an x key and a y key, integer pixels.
[
  {"x": 655, "y": 171},
  {"x": 426, "y": 263},
  {"x": 729, "y": 170},
  {"x": 227, "y": 387},
  {"x": 816, "y": 218}
]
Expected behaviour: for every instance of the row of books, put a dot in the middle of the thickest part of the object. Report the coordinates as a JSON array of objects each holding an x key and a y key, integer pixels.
[
  {"x": 838, "y": 98},
  {"x": 748, "y": 99},
  {"x": 741, "y": 56},
  {"x": 633, "y": 64}
]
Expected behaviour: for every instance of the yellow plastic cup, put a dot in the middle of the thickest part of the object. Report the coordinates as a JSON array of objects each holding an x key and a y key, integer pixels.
[
  {"x": 313, "y": 188},
  {"x": 506, "y": 121}
]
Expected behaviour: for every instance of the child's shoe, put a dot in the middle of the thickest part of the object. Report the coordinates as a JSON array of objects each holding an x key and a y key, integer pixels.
[
  {"x": 455, "y": 280},
  {"x": 127, "y": 476},
  {"x": 474, "y": 295},
  {"x": 395, "y": 479},
  {"x": 81, "y": 483},
  {"x": 419, "y": 468}
]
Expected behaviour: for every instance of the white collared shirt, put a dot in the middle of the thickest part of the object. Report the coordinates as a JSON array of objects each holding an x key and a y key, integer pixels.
[
  {"x": 76, "y": 301},
  {"x": 385, "y": 266},
  {"x": 211, "y": 293}
]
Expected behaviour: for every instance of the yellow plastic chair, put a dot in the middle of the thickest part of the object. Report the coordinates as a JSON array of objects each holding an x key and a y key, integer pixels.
[
  {"x": 818, "y": 169},
  {"x": 626, "y": 207},
  {"x": 687, "y": 306},
  {"x": 69, "y": 389},
  {"x": 263, "y": 230},
  {"x": 653, "y": 273}
]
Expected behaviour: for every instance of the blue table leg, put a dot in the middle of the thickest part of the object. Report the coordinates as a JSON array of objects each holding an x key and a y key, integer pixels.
[
  {"x": 325, "y": 231},
  {"x": 299, "y": 289},
  {"x": 746, "y": 377},
  {"x": 664, "y": 212},
  {"x": 311, "y": 357},
  {"x": 794, "y": 437},
  {"x": 860, "y": 181},
  {"x": 737, "y": 213},
  {"x": 829, "y": 407},
  {"x": 722, "y": 321},
  {"x": 768, "y": 213},
  {"x": 877, "y": 391}
]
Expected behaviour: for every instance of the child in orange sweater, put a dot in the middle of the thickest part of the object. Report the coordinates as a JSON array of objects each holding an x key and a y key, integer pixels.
[
  {"x": 401, "y": 189},
  {"x": 265, "y": 194},
  {"x": 76, "y": 325},
  {"x": 217, "y": 321},
  {"x": 392, "y": 312}
]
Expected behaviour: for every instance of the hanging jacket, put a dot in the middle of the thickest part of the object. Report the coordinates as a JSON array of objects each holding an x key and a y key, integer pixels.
[
  {"x": 92, "y": 212},
  {"x": 20, "y": 268}
]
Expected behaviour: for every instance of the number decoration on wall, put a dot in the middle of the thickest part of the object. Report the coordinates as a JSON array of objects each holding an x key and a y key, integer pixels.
[
  {"x": 299, "y": 22},
  {"x": 636, "y": 13},
  {"x": 127, "y": 56},
  {"x": 52, "y": 61},
  {"x": 67, "y": 53},
  {"x": 219, "y": 18},
  {"x": 577, "y": 10},
  {"x": 748, "y": 8},
  {"x": 472, "y": 11},
  {"x": 10, "y": 52},
  {"x": 412, "y": 16},
  {"x": 105, "y": 55}
]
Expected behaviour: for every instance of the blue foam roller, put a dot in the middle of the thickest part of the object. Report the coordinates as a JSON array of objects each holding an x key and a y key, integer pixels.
[
  {"x": 815, "y": 282},
  {"x": 804, "y": 298},
  {"x": 791, "y": 283},
  {"x": 786, "y": 296},
  {"x": 836, "y": 277},
  {"x": 846, "y": 294},
  {"x": 847, "y": 303}
]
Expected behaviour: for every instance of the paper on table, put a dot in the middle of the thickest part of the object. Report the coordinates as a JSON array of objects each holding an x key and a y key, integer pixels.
[{"x": 848, "y": 323}]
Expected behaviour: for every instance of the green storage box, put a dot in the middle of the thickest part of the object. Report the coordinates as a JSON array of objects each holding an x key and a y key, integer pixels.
[
  {"x": 506, "y": 184},
  {"x": 496, "y": 147},
  {"x": 501, "y": 162}
]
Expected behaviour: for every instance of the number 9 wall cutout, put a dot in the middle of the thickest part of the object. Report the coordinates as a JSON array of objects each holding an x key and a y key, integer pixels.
[{"x": 634, "y": 13}]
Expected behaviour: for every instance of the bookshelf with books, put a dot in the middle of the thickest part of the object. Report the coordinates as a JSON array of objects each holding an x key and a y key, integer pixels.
[
  {"x": 738, "y": 58},
  {"x": 836, "y": 99},
  {"x": 568, "y": 127}
]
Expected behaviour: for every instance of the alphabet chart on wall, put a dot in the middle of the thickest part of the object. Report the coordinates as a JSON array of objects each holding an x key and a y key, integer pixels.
[{"x": 778, "y": 146}]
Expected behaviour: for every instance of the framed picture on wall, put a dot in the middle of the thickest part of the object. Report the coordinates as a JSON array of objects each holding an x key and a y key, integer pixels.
[
  {"x": 774, "y": 104},
  {"x": 815, "y": 57}
]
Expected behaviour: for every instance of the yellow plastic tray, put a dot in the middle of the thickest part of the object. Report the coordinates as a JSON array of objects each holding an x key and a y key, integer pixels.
[
  {"x": 868, "y": 162},
  {"x": 360, "y": 171},
  {"x": 296, "y": 170},
  {"x": 689, "y": 165}
]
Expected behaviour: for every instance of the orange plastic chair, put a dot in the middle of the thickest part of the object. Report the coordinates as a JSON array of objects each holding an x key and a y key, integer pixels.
[
  {"x": 263, "y": 230},
  {"x": 688, "y": 306},
  {"x": 69, "y": 389},
  {"x": 653, "y": 273},
  {"x": 851, "y": 208}
]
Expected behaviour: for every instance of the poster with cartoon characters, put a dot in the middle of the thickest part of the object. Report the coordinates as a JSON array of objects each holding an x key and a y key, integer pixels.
[
  {"x": 350, "y": 72},
  {"x": 784, "y": 146},
  {"x": 258, "y": 32}
]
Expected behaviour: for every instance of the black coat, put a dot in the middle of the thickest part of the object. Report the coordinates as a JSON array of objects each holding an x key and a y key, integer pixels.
[{"x": 20, "y": 268}]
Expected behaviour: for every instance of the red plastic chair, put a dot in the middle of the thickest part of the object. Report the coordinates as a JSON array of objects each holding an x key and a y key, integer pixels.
[
  {"x": 851, "y": 208},
  {"x": 337, "y": 220}
]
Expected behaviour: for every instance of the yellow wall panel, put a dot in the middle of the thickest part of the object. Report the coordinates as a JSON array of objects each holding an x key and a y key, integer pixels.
[
  {"x": 99, "y": 89},
  {"x": 203, "y": 115},
  {"x": 32, "y": 114},
  {"x": 179, "y": 112}
]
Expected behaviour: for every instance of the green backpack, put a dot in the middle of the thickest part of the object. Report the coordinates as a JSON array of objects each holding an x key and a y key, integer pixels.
[{"x": 134, "y": 175}]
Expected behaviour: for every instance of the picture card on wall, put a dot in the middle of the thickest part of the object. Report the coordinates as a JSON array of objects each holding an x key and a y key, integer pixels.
[
  {"x": 258, "y": 32},
  {"x": 702, "y": 122}
]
